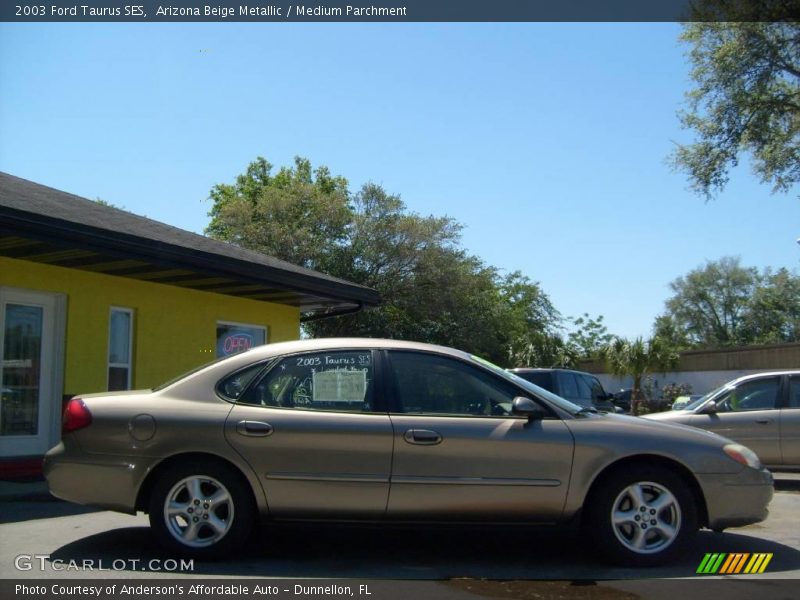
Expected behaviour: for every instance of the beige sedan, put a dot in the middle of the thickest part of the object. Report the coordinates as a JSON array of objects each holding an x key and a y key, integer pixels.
[
  {"x": 388, "y": 431},
  {"x": 761, "y": 411}
]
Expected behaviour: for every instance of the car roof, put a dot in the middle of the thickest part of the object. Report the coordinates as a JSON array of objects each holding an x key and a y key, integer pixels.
[
  {"x": 547, "y": 370},
  {"x": 310, "y": 345},
  {"x": 213, "y": 370},
  {"x": 764, "y": 374}
]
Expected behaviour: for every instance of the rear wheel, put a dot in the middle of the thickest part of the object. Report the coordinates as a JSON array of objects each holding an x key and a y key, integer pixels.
[
  {"x": 642, "y": 516},
  {"x": 201, "y": 510}
]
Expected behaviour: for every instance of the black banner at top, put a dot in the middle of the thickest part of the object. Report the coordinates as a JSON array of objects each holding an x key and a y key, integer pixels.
[{"x": 142, "y": 11}]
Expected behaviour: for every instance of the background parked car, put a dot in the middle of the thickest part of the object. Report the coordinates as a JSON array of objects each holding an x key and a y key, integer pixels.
[
  {"x": 623, "y": 399},
  {"x": 584, "y": 389},
  {"x": 761, "y": 411}
]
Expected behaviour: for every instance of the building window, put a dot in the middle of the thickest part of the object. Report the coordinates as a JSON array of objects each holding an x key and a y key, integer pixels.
[
  {"x": 120, "y": 346},
  {"x": 233, "y": 338}
]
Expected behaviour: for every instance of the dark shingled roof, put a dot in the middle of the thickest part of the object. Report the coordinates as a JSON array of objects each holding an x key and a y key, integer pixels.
[{"x": 59, "y": 221}]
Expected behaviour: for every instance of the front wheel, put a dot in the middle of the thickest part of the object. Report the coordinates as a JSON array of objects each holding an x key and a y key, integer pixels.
[
  {"x": 201, "y": 510},
  {"x": 642, "y": 516}
]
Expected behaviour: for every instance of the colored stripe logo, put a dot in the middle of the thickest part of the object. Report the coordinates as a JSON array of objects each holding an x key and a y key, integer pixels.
[{"x": 734, "y": 563}]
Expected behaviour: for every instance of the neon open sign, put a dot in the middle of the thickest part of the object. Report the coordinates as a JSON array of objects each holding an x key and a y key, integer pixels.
[{"x": 237, "y": 342}]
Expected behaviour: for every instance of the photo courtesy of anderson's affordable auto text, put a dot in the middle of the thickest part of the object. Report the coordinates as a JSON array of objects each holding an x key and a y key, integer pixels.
[{"x": 428, "y": 299}]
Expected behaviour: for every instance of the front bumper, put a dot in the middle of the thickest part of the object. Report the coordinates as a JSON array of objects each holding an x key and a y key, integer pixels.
[{"x": 737, "y": 500}]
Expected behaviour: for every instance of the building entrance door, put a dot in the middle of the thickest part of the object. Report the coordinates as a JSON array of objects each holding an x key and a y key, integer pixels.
[{"x": 31, "y": 365}]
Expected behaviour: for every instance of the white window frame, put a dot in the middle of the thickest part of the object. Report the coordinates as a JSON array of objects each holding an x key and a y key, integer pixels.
[
  {"x": 52, "y": 382},
  {"x": 219, "y": 322},
  {"x": 129, "y": 364}
]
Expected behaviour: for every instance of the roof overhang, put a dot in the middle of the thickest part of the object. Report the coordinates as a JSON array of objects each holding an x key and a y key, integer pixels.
[{"x": 47, "y": 239}]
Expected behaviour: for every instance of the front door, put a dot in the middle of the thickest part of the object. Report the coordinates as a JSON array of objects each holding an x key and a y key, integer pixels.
[
  {"x": 459, "y": 453},
  {"x": 750, "y": 415},
  {"x": 30, "y": 373}
]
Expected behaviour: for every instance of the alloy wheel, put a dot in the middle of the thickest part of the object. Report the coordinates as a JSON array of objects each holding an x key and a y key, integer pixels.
[
  {"x": 198, "y": 511},
  {"x": 646, "y": 517}
]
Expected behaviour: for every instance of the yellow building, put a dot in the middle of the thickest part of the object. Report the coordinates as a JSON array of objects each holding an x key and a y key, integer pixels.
[{"x": 93, "y": 298}]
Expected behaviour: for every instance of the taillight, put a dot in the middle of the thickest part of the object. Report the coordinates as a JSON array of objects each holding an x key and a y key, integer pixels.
[{"x": 76, "y": 416}]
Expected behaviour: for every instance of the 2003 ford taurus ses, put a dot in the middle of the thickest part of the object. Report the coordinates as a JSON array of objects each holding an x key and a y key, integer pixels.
[{"x": 379, "y": 430}]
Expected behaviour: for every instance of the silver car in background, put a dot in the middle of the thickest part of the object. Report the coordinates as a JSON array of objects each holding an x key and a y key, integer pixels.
[
  {"x": 389, "y": 431},
  {"x": 761, "y": 411}
]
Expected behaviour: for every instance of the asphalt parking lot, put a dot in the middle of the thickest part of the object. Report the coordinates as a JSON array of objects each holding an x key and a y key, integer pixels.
[{"x": 64, "y": 541}]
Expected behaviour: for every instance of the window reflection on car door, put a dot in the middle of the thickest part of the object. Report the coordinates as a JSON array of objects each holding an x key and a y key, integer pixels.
[
  {"x": 460, "y": 453},
  {"x": 748, "y": 413}
]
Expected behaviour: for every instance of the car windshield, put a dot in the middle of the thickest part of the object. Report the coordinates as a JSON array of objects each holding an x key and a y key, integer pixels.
[
  {"x": 563, "y": 404},
  {"x": 695, "y": 403}
]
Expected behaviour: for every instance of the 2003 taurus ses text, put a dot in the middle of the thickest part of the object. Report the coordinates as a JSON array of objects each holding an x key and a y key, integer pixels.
[{"x": 379, "y": 430}]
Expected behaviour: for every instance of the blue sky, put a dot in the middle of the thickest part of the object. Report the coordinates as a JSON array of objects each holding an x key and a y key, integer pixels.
[{"x": 548, "y": 142}]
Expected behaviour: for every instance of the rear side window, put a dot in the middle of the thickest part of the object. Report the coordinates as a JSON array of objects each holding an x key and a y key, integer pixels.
[
  {"x": 340, "y": 381},
  {"x": 235, "y": 384}
]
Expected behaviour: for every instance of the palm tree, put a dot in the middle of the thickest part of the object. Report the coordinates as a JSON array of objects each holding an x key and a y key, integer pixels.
[{"x": 638, "y": 358}]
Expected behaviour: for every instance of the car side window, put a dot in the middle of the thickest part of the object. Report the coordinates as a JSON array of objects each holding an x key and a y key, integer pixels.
[
  {"x": 759, "y": 394},
  {"x": 585, "y": 390},
  {"x": 340, "y": 381},
  {"x": 235, "y": 384},
  {"x": 794, "y": 392},
  {"x": 542, "y": 379},
  {"x": 428, "y": 384},
  {"x": 567, "y": 386},
  {"x": 597, "y": 391}
]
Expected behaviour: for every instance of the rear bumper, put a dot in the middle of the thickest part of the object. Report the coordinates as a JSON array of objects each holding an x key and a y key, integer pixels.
[
  {"x": 104, "y": 481},
  {"x": 735, "y": 501}
]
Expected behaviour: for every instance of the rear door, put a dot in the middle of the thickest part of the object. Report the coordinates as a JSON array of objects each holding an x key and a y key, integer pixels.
[
  {"x": 461, "y": 455},
  {"x": 315, "y": 430}
]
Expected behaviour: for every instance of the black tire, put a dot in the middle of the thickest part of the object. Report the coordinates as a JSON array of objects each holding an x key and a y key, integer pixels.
[
  {"x": 212, "y": 510},
  {"x": 655, "y": 516}
]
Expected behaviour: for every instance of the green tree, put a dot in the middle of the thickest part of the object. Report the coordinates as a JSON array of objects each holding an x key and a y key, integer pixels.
[
  {"x": 710, "y": 304},
  {"x": 636, "y": 359},
  {"x": 590, "y": 336},
  {"x": 669, "y": 329},
  {"x": 531, "y": 325},
  {"x": 299, "y": 215},
  {"x": 542, "y": 349},
  {"x": 432, "y": 289},
  {"x": 774, "y": 309},
  {"x": 726, "y": 304},
  {"x": 746, "y": 95}
]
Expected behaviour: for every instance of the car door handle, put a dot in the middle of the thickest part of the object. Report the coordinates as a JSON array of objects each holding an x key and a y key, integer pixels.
[
  {"x": 254, "y": 428},
  {"x": 763, "y": 421},
  {"x": 423, "y": 437}
]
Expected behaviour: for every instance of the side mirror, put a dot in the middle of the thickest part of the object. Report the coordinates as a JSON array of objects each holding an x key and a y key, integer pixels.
[
  {"x": 526, "y": 407},
  {"x": 710, "y": 408}
]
